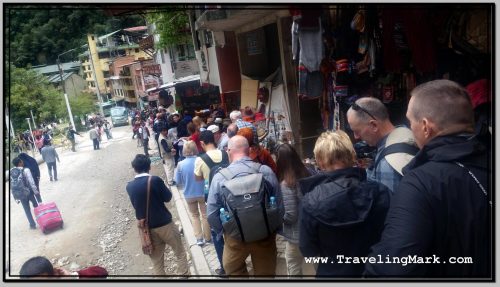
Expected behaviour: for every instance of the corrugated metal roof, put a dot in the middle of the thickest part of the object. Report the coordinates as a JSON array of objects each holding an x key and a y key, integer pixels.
[
  {"x": 56, "y": 78},
  {"x": 71, "y": 66},
  {"x": 107, "y": 35}
]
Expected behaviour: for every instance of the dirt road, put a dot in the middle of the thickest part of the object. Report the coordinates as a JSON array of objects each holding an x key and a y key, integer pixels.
[{"x": 99, "y": 223}]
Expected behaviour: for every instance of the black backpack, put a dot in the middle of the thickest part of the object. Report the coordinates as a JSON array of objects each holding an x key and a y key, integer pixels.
[
  {"x": 215, "y": 167},
  {"x": 246, "y": 198},
  {"x": 18, "y": 187}
]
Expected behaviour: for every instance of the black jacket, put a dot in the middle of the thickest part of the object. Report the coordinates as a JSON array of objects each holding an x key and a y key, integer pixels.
[
  {"x": 182, "y": 128},
  {"x": 440, "y": 210},
  {"x": 158, "y": 212},
  {"x": 343, "y": 214},
  {"x": 31, "y": 164}
]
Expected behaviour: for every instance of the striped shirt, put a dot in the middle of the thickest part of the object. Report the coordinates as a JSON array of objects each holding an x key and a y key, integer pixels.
[{"x": 242, "y": 124}]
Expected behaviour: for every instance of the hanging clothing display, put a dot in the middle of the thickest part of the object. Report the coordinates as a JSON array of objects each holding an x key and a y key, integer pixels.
[
  {"x": 406, "y": 28},
  {"x": 310, "y": 84},
  {"x": 307, "y": 45}
]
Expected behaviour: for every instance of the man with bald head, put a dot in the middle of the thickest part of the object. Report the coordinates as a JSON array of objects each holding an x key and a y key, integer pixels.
[
  {"x": 369, "y": 120},
  {"x": 442, "y": 207},
  {"x": 263, "y": 251},
  {"x": 231, "y": 131}
]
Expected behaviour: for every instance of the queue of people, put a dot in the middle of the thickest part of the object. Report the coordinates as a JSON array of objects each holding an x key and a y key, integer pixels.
[{"x": 427, "y": 193}]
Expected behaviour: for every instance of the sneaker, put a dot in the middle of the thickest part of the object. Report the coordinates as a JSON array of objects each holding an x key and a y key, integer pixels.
[
  {"x": 220, "y": 272},
  {"x": 200, "y": 242},
  {"x": 51, "y": 179},
  {"x": 32, "y": 226}
]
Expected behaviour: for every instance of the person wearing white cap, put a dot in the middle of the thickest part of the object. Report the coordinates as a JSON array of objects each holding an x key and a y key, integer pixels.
[
  {"x": 369, "y": 120},
  {"x": 218, "y": 136}
]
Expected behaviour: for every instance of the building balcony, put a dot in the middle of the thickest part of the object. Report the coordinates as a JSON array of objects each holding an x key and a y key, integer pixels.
[
  {"x": 147, "y": 43},
  {"x": 185, "y": 68},
  {"x": 128, "y": 88},
  {"x": 229, "y": 19}
]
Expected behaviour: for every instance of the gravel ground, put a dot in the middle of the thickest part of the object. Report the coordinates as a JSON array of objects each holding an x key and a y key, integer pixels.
[{"x": 99, "y": 222}]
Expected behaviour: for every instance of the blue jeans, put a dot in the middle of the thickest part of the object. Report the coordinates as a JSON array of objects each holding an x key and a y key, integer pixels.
[
  {"x": 52, "y": 166},
  {"x": 219, "y": 246},
  {"x": 96, "y": 143},
  {"x": 26, "y": 206}
]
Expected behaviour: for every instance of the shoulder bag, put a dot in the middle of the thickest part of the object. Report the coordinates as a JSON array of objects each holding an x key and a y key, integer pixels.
[{"x": 143, "y": 225}]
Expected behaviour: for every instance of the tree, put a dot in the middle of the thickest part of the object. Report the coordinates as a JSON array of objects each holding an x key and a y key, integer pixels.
[
  {"x": 37, "y": 34},
  {"x": 171, "y": 25},
  {"x": 30, "y": 91},
  {"x": 83, "y": 104}
]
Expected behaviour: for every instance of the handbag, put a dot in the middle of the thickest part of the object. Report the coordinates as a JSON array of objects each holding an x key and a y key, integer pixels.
[{"x": 142, "y": 224}]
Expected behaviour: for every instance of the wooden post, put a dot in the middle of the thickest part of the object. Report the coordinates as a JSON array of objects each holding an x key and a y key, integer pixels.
[{"x": 290, "y": 79}]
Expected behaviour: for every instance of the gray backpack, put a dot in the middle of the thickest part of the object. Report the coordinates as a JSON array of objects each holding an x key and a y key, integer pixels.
[
  {"x": 18, "y": 185},
  {"x": 246, "y": 198}
]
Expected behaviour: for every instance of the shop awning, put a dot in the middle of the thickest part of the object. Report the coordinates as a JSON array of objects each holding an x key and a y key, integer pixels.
[
  {"x": 180, "y": 80},
  {"x": 152, "y": 89},
  {"x": 153, "y": 97}
]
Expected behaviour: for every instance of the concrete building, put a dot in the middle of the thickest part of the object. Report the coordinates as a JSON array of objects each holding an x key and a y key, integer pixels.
[
  {"x": 243, "y": 49},
  {"x": 74, "y": 83},
  {"x": 176, "y": 62},
  {"x": 106, "y": 49}
]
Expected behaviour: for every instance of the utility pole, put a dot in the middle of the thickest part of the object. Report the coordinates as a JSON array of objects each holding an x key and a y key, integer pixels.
[
  {"x": 12, "y": 133},
  {"x": 96, "y": 82},
  {"x": 64, "y": 90},
  {"x": 32, "y": 138},
  {"x": 33, "y": 118}
]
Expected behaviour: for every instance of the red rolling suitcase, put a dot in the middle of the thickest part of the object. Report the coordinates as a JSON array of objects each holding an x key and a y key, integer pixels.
[{"x": 48, "y": 217}]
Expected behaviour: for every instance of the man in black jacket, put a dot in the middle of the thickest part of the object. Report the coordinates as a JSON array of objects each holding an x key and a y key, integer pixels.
[
  {"x": 442, "y": 212},
  {"x": 163, "y": 230}
]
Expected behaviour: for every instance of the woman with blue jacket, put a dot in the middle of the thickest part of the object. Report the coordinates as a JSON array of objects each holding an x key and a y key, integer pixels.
[{"x": 193, "y": 193}]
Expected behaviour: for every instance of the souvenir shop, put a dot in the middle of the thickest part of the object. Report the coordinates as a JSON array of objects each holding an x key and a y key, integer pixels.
[{"x": 350, "y": 51}]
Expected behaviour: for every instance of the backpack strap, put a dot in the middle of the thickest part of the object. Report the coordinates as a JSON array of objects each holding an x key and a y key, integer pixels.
[
  {"x": 227, "y": 174},
  {"x": 396, "y": 148},
  {"x": 225, "y": 157},
  {"x": 255, "y": 166},
  {"x": 210, "y": 163}
]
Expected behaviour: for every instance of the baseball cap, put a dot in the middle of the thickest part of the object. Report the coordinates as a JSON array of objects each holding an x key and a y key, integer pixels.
[{"x": 213, "y": 128}]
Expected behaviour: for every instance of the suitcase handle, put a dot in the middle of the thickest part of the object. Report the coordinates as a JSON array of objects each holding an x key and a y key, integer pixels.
[{"x": 45, "y": 212}]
